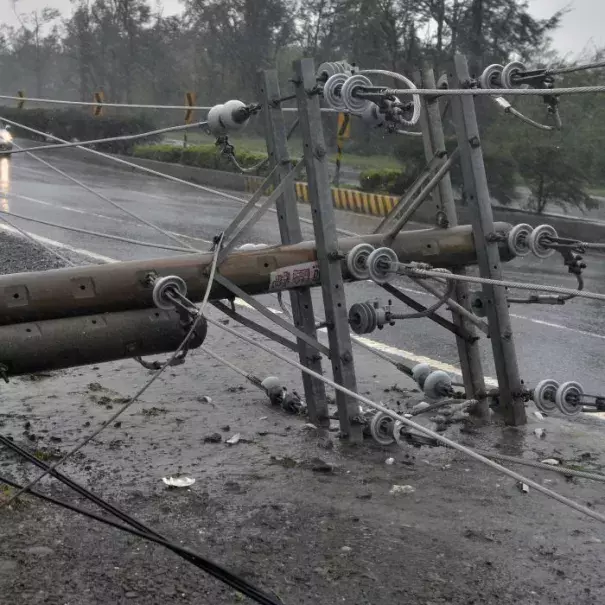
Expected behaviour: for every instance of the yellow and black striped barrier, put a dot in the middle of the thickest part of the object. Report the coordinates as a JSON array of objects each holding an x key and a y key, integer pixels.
[{"x": 374, "y": 204}]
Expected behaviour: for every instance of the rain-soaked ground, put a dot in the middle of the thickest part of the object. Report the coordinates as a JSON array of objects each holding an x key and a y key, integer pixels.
[{"x": 302, "y": 515}]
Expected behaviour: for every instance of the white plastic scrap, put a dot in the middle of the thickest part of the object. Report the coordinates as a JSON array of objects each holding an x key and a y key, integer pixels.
[
  {"x": 389, "y": 461},
  {"x": 523, "y": 487},
  {"x": 402, "y": 489},
  {"x": 540, "y": 433},
  {"x": 539, "y": 415},
  {"x": 235, "y": 439},
  {"x": 178, "y": 481},
  {"x": 551, "y": 462}
]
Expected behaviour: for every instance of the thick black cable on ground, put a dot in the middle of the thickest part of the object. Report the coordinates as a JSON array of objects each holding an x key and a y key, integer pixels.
[{"x": 135, "y": 527}]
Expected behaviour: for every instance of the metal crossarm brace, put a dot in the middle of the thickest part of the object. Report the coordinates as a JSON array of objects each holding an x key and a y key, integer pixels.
[
  {"x": 468, "y": 350},
  {"x": 407, "y": 214},
  {"x": 407, "y": 197},
  {"x": 241, "y": 215},
  {"x": 227, "y": 283},
  {"x": 328, "y": 256},
  {"x": 288, "y": 219},
  {"x": 410, "y": 302},
  {"x": 261, "y": 210},
  {"x": 249, "y": 323},
  {"x": 478, "y": 198}
]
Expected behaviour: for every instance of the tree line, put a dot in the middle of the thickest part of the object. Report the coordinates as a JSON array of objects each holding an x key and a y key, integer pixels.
[{"x": 135, "y": 54}]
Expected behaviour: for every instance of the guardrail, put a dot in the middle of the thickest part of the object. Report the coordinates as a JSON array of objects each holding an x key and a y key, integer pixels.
[{"x": 373, "y": 204}]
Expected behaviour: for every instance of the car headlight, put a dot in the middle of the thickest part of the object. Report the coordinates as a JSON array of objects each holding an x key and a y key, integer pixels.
[{"x": 7, "y": 137}]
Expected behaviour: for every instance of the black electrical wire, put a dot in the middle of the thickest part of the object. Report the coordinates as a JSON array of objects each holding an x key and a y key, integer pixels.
[{"x": 137, "y": 528}]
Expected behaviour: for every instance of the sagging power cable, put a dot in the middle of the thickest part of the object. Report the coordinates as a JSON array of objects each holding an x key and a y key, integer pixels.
[
  {"x": 162, "y": 175},
  {"x": 104, "y": 197},
  {"x": 195, "y": 323},
  {"x": 134, "y": 526},
  {"x": 116, "y": 238},
  {"x": 124, "y": 137}
]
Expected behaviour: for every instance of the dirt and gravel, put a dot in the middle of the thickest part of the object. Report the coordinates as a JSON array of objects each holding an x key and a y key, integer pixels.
[{"x": 299, "y": 513}]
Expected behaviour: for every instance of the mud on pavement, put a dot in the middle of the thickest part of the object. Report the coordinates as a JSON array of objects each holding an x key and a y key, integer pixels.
[{"x": 302, "y": 515}]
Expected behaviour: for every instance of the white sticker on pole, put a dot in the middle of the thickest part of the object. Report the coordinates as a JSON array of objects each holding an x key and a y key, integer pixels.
[{"x": 295, "y": 276}]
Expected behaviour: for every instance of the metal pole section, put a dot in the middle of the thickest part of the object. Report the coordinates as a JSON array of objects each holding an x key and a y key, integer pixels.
[
  {"x": 477, "y": 192},
  {"x": 289, "y": 228},
  {"x": 328, "y": 255},
  {"x": 434, "y": 144}
]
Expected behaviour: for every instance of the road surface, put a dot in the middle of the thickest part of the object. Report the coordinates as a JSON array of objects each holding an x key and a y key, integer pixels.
[{"x": 564, "y": 343}]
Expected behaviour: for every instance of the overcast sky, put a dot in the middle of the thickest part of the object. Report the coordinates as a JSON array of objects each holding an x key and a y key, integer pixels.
[{"x": 582, "y": 29}]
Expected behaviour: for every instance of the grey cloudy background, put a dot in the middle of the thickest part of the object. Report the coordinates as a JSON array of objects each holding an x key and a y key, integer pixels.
[{"x": 581, "y": 32}]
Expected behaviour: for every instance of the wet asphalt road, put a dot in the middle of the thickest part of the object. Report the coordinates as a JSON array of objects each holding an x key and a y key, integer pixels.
[{"x": 564, "y": 343}]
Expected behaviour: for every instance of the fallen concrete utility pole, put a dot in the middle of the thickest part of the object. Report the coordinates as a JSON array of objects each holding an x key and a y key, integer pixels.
[
  {"x": 124, "y": 286},
  {"x": 32, "y": 347}
]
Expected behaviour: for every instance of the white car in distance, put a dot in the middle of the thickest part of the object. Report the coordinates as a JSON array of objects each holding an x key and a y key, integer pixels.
[{"x": 6, "y": 140}]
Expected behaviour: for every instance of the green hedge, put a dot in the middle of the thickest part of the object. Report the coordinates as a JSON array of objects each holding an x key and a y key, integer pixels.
[
  {"x": 73, "y": 124},
  {"x": 391, "y": 181},
  {"x": 201, "y": 156}
]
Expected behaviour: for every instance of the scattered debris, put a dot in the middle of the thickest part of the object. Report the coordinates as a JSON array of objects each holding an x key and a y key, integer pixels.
[
  {"x": 321, "y": 466},
  {"x": 419, "y": 407},
  {"x": 154, "y": 411},
  {"x": 402, "y": 489},
  {"x": 539, "y": 415},
  {"x": 523, "y": 487},
  {"x": 551, "y": 462},
  {"x": 263, "y": 417},
  {"x": 286, "y": 461},
  {"x": 389, "y": 461},
  {"x": 234, "y": 440},
  {"x": 309, "y": 427},
  {"x": 540, "y": 433},
  {"x": 205, "y": 399},
  {"x": 213, "y": 438},
  {"x": 226, "y": 428},
  {"x": 178, "y": 481},
  {"x": 346, "y": 549}
]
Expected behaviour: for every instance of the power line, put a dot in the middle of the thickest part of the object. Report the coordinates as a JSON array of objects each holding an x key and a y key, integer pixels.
[{"x": 125, "y": 137}]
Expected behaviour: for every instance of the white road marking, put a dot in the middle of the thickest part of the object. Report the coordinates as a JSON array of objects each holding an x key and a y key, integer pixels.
[{"x": 60, "y": 245}]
